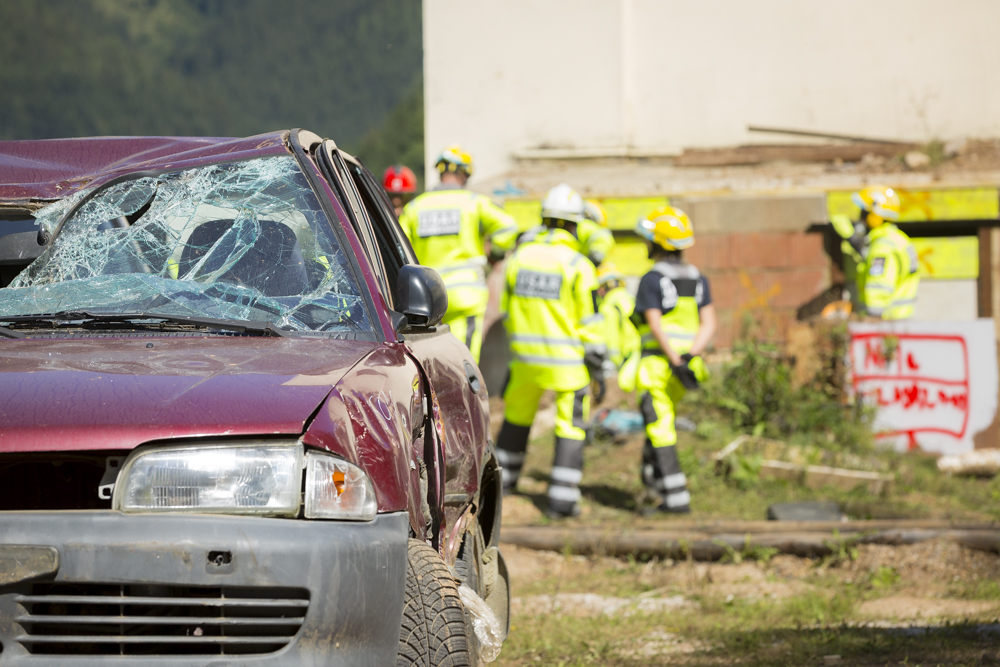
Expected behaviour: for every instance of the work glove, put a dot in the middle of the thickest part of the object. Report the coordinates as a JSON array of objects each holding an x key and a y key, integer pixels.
[{"x": 691, "y": 372}]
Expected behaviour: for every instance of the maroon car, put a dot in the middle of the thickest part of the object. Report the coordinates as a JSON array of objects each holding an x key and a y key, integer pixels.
[{"x": 232, "y": 429}]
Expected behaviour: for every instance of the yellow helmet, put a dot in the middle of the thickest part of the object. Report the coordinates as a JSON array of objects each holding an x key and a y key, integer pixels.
[
  {"x": 881, "y": 202},
  {"x": 593, "y": 211},
  {"x": 454, "y": 159},
  {"x": 608, "y": 273},
  {"x": 668, "y": 227}
]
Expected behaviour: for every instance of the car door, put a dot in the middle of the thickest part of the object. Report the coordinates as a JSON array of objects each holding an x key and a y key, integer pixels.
[{"x": 457, "y": 383}]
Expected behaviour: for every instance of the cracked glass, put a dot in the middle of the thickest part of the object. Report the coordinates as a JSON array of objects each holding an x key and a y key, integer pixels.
[{"x": 245, "y": 241}]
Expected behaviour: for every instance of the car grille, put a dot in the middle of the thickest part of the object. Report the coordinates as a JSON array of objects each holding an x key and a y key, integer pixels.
[{"x": 114, "y": 619}]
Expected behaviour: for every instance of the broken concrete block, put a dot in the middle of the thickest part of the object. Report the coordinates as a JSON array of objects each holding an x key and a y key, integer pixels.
[
  {"x": 805, "y": 511},
  {"x": 955, "y": 147},
  {"x": 917, "y": 160},
  {"x": 978, "y": 462}
]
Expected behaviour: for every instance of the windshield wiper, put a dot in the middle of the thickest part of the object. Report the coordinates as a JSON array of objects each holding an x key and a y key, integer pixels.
[
  {"x": 136, "y": 319},
  {"x": 7, "y": 333}
]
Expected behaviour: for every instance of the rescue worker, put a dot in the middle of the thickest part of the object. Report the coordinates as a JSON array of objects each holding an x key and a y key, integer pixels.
[
  {"x": 400, "y": 185},
  {"x": 547, "y": 297},
  {"x": 447, "y": 227},
  {"x": 676, "y": 320},
  {"x": 887, "y": 265},
  {"x": 596, "y": 240},
  {"x": 615, "y": 306}
]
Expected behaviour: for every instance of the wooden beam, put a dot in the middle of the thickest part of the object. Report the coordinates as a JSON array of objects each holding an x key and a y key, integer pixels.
[{"x": 984, "y": 283}]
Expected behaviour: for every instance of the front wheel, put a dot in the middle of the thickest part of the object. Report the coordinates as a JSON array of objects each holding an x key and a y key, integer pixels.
[{"x": 433, "y": 629}]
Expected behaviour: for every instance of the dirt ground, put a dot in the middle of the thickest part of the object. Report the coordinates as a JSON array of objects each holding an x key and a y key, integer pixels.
[{"x": 930, "y": 603}]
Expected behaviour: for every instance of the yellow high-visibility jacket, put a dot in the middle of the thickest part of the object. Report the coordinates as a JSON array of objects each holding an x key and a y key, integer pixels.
[
  {"x": 596, "y": 242},
  {"x": 446, "y": 228},
  {"x": 682, "y": 291},
  {"x": 889, "y": 274},
  {"x": 547, "y": 300},
  {"x": 613, "y": 321}
]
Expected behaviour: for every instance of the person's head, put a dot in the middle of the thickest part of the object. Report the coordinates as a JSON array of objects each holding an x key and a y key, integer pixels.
[
  {"x": 593, "y": 211},
  {"x": 562, "y": 208},
  {"x": 667, "y": 231},
  {"x": 878, "y": 204},
  {"x": 454, "y": 165},
  {"x": 400, "y": 185},
  {"x": 608, "y": 278}
]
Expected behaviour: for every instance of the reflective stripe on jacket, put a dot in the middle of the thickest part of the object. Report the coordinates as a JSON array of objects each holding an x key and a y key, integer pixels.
[
  {"x": 546, "y": 301},
  {"x": 681, "y": 324},
  {"x": 890, "y": 274},
  {"x": 446, "y": 228}
]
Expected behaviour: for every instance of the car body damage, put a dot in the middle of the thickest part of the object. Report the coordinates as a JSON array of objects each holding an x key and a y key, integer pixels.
[
  {"x": 80, "y": 394},
  {"x": 227, "y": 433}
]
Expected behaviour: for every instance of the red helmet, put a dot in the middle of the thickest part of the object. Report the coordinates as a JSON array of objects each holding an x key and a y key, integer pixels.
[{"x": 398, "y": 179}]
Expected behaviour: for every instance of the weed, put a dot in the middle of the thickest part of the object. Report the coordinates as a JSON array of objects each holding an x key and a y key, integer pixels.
[
  {"x": 757, "y": 395},
  {"x": 984, "y": 589},
  {"x": 842, "y": 550},
  {"x": 745, "y": 470},
  {"x": 749, "y": 552},
  {"x": 884, "y": 576}
]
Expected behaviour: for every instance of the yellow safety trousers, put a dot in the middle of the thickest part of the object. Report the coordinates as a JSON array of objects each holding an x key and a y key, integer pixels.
[
  {"x": 666, "y": 391},
  {"x": 523, "y": 392}
]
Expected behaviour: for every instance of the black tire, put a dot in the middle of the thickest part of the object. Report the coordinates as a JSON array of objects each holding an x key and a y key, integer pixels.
[
  {"x": 433, "y": 629},
  {"x": 467, "y": 571}
]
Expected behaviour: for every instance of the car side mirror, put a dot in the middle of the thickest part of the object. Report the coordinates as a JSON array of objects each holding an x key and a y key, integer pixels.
[{"x": 421, "y": 296}]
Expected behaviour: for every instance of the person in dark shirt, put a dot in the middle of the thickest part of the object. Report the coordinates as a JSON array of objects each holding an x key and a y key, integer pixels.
[{"x": 676, "y": 320}]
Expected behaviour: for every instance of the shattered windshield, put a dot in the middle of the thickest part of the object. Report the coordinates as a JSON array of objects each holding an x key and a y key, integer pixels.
[{"x": 243, "y": 241}]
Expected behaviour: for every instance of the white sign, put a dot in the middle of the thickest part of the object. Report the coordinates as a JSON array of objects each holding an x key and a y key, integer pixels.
[{"x": 934, "y": 383}]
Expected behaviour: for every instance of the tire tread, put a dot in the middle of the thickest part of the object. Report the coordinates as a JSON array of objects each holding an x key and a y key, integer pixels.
[{"x": 433, "y": 627}]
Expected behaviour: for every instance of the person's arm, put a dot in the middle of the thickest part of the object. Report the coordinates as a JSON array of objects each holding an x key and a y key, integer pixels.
[
  {"x": 499, "y": 225},
  {"x": 706, "y": 329},
  {"x": 599, "y": 245},
  {"x": 653, "y": 317}
]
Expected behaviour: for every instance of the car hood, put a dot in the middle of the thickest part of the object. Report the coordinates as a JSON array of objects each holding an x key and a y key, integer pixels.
[{"x": 117, "y": 392}]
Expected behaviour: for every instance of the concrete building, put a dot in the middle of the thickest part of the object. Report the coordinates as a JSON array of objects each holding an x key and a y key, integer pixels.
[
  {"x": 641, "y": 102},
  {"x": 592, "y": 78}
]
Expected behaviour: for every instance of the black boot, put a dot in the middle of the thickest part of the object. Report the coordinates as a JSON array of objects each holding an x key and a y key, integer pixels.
[
  {"x": 512, "y": 443},
  {"x": 567, "y": 470}
]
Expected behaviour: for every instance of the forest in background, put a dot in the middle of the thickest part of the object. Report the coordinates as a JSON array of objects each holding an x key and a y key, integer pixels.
[{"x": 350, "y": 70}]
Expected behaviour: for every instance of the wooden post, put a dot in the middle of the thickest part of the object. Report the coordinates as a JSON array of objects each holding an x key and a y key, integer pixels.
[{"x": 984, "y": 284}]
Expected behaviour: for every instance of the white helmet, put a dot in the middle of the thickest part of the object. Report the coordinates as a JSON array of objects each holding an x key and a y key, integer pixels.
[{"x": 563, "y": 203}]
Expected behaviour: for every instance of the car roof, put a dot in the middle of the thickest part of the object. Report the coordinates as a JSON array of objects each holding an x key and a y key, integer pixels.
[{"x": 49, "y": 169}]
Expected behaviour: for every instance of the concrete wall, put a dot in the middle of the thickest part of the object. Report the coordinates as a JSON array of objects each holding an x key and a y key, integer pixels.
[{"x": 654, "y": 76}]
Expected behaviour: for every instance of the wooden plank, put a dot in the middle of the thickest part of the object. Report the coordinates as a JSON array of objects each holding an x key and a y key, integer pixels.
[
  {"x": 758, "y": 153},
  {"x": 713, "y": 545}
]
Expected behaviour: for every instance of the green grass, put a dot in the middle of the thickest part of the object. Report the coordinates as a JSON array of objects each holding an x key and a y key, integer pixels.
[
  {"x": 793, "y": 632},
  {"x": 612, "y": 489}
]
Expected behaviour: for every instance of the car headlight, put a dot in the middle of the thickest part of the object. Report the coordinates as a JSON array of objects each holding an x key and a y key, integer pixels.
[
  {"x": 245, "y": 478},
  {"x": 336, "y": 489}
]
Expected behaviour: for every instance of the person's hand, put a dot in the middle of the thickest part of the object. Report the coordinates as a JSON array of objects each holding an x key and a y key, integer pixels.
[
  {"x": 598, "y": 389},
  {"x": 684, "y": 373}
]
